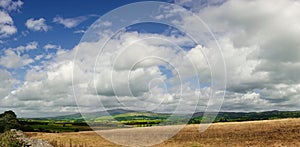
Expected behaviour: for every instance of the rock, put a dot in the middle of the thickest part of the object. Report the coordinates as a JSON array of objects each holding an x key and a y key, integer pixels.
[
  {"x": 39, "y": 143},
  {"x": 28, "y": 142}
]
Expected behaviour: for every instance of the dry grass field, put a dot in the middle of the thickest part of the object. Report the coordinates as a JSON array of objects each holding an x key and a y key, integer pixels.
[{"x": 284, "y": 132}]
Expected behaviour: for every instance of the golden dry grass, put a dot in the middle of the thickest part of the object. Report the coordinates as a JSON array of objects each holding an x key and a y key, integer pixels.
[{"x": 284, "y": 132}]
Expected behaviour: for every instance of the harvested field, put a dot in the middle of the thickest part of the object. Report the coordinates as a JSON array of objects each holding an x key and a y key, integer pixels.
[{"x": 283, "y": 132}]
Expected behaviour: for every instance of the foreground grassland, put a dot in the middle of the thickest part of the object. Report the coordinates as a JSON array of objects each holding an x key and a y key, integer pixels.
[{"x": 283, "y": 132}]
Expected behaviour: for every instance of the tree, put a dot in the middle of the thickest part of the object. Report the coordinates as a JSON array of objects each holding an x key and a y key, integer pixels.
[
  {"x": 8, "y": 120},
  {"x": 223, "y": 119}
]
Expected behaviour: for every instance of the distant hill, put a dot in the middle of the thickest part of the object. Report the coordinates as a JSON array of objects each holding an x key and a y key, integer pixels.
[
  {"x": 249, "y": 116},
  {"x": 120, "y": 118},
  {"x": 91, "y": 115},
  {"x": 128, "y": 115}
]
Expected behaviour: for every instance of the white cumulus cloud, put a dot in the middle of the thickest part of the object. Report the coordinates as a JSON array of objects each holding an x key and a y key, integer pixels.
[
  {"x": 30, "y": 46},
  {"x": 7, "y": 26},
  {"x": 69, "y": 22},
  {"x": 11, "y": 5},
  {"x": 51, "y": 46},
  {"x": 37, "y": 24},
  {"x": 11, "y": 59}
]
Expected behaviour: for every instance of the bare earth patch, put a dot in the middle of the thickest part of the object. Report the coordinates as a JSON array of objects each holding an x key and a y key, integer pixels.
[{"x": 284, "y": 132}]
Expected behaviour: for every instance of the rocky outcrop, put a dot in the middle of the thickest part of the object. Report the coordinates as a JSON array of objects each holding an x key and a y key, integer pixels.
[{"x": 17, "y": 138}]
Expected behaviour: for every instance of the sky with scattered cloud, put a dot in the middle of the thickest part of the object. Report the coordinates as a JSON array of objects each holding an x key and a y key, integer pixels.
[{"x": 48, "y": 49}]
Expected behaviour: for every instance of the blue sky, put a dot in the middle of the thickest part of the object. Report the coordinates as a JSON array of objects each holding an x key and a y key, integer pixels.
[
  {"x": 255, "y": 54},
  {"x": 57, "y": 34}
]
